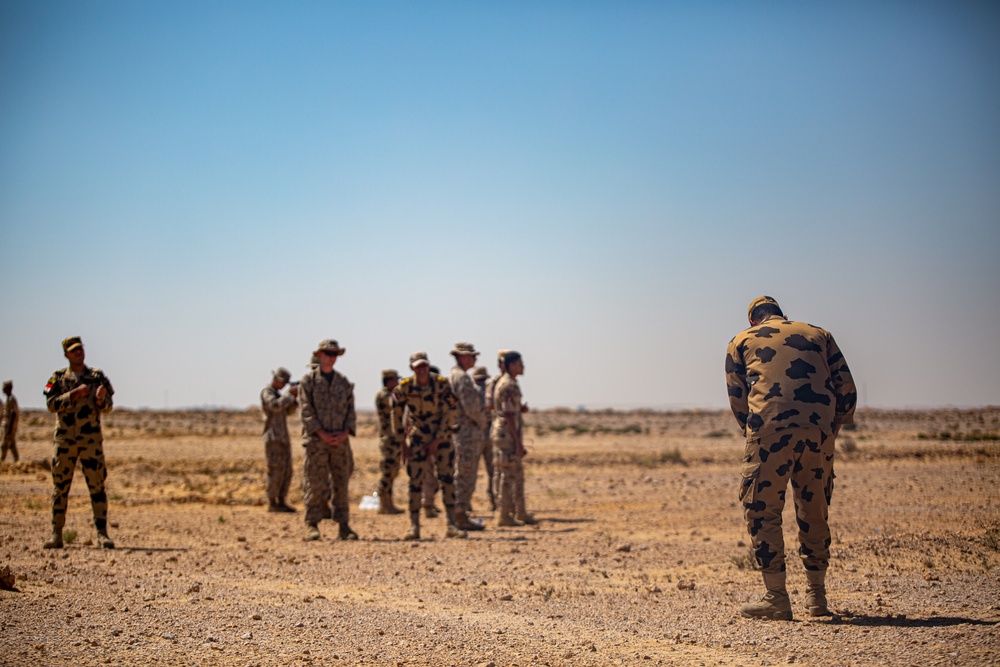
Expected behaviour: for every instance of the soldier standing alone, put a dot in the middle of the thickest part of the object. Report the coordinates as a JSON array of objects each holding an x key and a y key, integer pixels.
[
  {"x": 8, "y": 423},
  {"x": 791, "y": 391},
  {"x": 328, "y": 421},
  {"x": 78, "y": 395},
  {"x": 277, "y": 443},
  {"x": 508, "y": 443}
]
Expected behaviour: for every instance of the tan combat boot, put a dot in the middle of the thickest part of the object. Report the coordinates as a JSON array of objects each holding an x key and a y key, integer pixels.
[
  {"x": 104, "y": 541},
  {"x": 431, "y": 512},
  {"x": 462, "y": 520},
  {"x": 455, "y": 531},
  {"x": 526, "y": 518},
  {"x": 775, "y": 604},
  {"x": 386, "y": 506},
  {"x": 345, "y": 532},
  {"x": 313, "y": 533},
  {"x": 816, "y": 603},
  {"x": 54, "y": 542},
  {"x": 414, "y": 532}
]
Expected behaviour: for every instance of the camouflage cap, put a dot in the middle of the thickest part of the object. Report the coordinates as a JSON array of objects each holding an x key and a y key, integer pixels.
[
  {"x": 282, "y": 374},
  {"x": 71, "y": 343},
  {"x": 418, "y": 359},
  {"x": 330, "y": 345},
  {"x": 8, "y": 385},
  {"x": 480, "y": 373},
  {"x": 760, "y": 301},
  {"x": 464, "y": 348},
  {"x": 390, "y": 374}
]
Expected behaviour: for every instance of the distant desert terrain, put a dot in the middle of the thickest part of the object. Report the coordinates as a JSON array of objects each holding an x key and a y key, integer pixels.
[{"x": 640, "y": 556}]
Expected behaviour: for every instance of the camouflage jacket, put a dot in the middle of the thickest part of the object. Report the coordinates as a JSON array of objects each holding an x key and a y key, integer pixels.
[
  {"x": 491, "y": 386},
  {"x": 507, "y": 402},
  {"x": 432, "y": 409},
  {"x": 275, "y": 409},
  {"x": 783, "y": 374},
  {"x": 470, "y": 405},
  {"x": 386, "y": 411},
  {"x": 77, "y": 420},
  {"x": 8, "y": 423},
  {"x": 327, "y": 405}
]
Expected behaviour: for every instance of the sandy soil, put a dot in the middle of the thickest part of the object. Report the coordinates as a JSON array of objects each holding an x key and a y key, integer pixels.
[{"x": 640, "y": 558}]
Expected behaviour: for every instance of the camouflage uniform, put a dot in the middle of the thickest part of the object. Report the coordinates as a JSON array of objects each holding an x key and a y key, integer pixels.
[
  {"x": 432, "y": 413},
  {"x": 469, "y": 436},
  {"x": 506, "y": 455},
  {"x": 390, "y": 440},
  {"x": 790, "y": 390},
  {"x": 487, "y": 455},
  {"x": 328, "y": 405},
  {"x": 277, "y": 443},
  {"x": 8, "y": 428},
  {"x": 78, "y": 437}
]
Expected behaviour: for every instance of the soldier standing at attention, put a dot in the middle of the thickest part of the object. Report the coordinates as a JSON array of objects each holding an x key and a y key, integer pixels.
[
  {"x": 480, "y": 376},
  {"x": 469, "y": 436},
  {"x": 508, "y": 442},
  {"x": 277, "y": 443},
  {"x": 78, "y": 395},
  {"x": 390, "y": 441},
  {"x": 791, "y": 391},
  {"x": 432, "y": 408},
  {"x": 8, "y": 423},
  {"x": 328, "y": 421}
]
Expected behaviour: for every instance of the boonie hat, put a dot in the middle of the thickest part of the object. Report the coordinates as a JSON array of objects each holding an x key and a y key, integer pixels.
[
  {"x": 464, "y": 348},
  {"x": 282, "y": 374},
  {"x": 330, "y": 345},
  {"x": 72, "y": 343},
  {"x": 418, "y": 359}
]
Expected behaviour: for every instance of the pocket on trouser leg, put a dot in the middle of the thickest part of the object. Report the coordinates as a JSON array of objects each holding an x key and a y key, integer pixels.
[{"x": 748, "y": 483}]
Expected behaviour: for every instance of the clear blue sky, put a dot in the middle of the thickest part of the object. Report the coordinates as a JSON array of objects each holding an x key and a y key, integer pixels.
[{"x": 204, "y": 191}]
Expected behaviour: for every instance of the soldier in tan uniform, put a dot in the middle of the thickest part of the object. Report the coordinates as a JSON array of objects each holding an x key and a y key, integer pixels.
[
  {"x": 277, "y": 444},
  {"x": 508, "y": 443},
  {"x": 390, "y": 441},
  {"x": 432, "y": 406},
  {"x": 328, "y": 421},
  {"x": 471, "y": 420},
  {"x": 481, "y": 376},
  {"x": 791, "y": 391},
  {"x": 78, "y": 395},
  {"x": 8, "y": 423}
]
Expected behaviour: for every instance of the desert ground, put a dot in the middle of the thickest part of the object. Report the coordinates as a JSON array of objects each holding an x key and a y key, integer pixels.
[{"x": 640, "y": 556}]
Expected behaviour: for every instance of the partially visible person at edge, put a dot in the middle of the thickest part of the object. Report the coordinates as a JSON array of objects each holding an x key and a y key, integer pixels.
[
  {"x": 791, "y": 391},
  {"x": 508, "y": 443},
  {"x": 78, "y": 395},
  {"x": 480, "y": 376},
  {"x": 8, "y": 422},
  {"x": 328, "y": 422},
  {"x": 390, "y": 441},
  {"x": 431, "y": 484},
  {"x": 431, "y": 406},
  {"x": 275, "y": 407},
  {"x": 471, "y": 420}
]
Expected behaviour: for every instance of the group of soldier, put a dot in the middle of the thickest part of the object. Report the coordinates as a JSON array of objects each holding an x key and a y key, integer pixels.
[
  {"x": 439, "y": 427},
  {"x": 789, "y": 388}
]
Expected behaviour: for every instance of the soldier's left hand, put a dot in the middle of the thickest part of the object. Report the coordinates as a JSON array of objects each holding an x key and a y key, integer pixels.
[{"x": 100, "y": 394}]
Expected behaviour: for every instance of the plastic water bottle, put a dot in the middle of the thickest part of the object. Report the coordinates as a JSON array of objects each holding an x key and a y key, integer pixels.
[{"x": 369, "y": 502}]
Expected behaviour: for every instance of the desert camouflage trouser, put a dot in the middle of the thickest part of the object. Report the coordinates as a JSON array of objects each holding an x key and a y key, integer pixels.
[
  {"x": 510, "y": 477},
  {"x": 468, "y": 450},
  {"x": 421, "y": 465},
  {"x": 392, "y": 456},
  {"x": 325, "y": 476},
  {"x": 279, "y": 468},
  {"x": 91, "y": 457},
  {"x": 491, "y": 478},
  {"x": 8, "y": 443},
  {"x": 805, "y": 457}
]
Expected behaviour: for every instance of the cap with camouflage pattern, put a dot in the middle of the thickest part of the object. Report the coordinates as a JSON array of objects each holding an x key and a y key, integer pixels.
[
  {"x": 282, "y": 373},
  {"x": 418, "y": 359},
  {"x": 760, "y": 301},
  {"x": 480, "y": 373},
  {"x": 390, "y": 374},
  {"x": 71, "y": 343}
]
